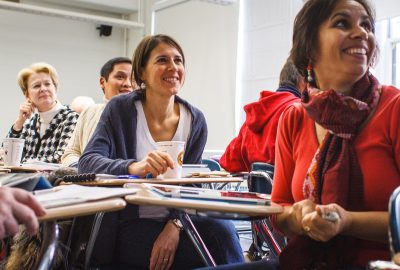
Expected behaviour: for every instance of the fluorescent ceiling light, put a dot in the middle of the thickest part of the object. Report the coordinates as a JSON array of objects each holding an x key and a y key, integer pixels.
[{"x": 69, "y": 15}]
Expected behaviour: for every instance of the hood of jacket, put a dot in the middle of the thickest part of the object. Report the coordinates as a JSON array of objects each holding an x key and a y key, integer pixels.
[{"x": 269, "y": 104}]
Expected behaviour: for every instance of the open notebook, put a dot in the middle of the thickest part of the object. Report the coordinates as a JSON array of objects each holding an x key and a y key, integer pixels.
[{"x": 74, "y": 194}]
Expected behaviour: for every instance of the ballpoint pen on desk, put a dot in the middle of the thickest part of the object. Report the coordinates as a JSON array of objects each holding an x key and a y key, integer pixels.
[{"x": 128, "y": 176}]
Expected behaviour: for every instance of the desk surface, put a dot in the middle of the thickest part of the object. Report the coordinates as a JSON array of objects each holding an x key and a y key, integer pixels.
[
  {"x": 145, "y": 197},
  {"x": 84, "y": 209},
  {"x": 29, "y": 168},
  {"x": 180, "y": 181}
]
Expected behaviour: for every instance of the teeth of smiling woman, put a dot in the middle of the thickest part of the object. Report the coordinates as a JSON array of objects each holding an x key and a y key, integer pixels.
[
  {"x": 170, "y": 79},
  {"x": 356, "y": 51}
]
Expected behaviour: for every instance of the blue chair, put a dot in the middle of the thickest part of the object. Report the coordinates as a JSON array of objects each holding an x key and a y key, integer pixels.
[
  {"x": 394, "y": 234},
  {"x": 212, "y": 164},
  {"x": 394, "y": 221}
]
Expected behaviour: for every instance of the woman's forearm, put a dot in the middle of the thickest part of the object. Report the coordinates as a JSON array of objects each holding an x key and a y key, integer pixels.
[{"x": 369, "y": 226}]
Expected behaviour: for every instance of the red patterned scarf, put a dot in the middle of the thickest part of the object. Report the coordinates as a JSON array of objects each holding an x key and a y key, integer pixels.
[{"x": 334, "y": 175}]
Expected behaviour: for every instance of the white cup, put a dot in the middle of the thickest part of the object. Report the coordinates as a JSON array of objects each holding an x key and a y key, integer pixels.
[
  {"x": 13, "y": 148},
  {"x": 175, "y": 149}
]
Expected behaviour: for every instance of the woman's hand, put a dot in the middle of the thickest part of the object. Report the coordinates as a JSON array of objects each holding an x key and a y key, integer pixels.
[
  {"x": 155, "y": 162},
  {"x": 26, "y": 109},
  {"x": 321, "y": 229},
  {"x": 295, "y": 215},
  {"x": 164, "y": 248}
]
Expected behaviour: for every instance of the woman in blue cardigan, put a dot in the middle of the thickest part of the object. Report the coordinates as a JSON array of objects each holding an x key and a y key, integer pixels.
[{"x": 124, "y": 142}]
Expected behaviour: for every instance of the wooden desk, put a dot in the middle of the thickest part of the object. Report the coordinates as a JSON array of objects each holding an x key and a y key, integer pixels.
[
  {"x": 83, "y": 209},
  {"x": 180, "y": 181},
  {"x": 145, "y": 197},
  {"x": 29, "y": 168}
]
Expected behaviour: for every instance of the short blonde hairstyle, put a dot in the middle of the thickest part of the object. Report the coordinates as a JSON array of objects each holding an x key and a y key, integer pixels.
[{"x": 35, "y": 68}]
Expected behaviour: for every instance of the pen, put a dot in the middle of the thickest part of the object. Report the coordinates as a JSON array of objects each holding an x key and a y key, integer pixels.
[
  {"x": 128, "y": 176},
  {"x": 110, "y": 176}
]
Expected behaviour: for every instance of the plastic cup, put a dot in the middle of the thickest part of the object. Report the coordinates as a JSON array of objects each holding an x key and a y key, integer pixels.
[
  {"x": 13, "y": 148},
  {"x": 175, "y": 149}
]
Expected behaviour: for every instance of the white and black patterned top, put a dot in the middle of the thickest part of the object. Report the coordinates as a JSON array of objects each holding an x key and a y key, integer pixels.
[{"x": 51, "y": 146}]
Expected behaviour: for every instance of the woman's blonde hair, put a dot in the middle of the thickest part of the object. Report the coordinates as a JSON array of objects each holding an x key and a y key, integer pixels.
[{"x": 35, "y": 68}]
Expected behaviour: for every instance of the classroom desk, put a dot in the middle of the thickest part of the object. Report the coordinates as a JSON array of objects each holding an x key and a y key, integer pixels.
[
  {"x": 51, "y": 230},
  {"x": 83, "y": 209},
  {"x": 242, "y": 211},
  {"x": 180, "y": 181},
  {"x": 145, "y": 197},
  {"x": 29, "y": 168}
]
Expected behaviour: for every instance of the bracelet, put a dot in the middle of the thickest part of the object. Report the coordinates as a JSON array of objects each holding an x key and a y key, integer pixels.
[{"x": 178, "y": 224}]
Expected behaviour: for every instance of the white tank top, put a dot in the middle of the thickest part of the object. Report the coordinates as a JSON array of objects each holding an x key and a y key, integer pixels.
[{"x": 145, "y": 144}]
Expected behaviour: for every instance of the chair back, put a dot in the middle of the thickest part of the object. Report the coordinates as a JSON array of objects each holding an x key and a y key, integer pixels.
[
  {"x": 212, "y": 164},
  {"x": 394, "y": 221},
  {"x": 260, "y": 177},
  {"x": 260, "y": 180}
]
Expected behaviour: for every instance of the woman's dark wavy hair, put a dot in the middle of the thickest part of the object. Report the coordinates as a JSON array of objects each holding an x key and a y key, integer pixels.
[
  {"x": 143, "y": 50},
  {"x": 306, "y": 27}
]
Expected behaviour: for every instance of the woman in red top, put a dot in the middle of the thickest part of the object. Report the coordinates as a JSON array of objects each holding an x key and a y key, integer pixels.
[{"x": 339, "y": 150}]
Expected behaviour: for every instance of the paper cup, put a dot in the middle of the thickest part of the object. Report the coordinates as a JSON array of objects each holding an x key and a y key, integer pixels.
[
  {"x": 175, "y": 149},
  {"x": 13, "y": 148}
]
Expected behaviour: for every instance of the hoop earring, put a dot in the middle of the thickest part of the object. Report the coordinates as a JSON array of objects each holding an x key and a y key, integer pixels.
[{"x": 310, "y": 78}]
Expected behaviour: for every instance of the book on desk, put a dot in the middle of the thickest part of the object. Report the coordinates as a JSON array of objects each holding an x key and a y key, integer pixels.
[
  {"x": 193, "y": 193},
  {"x": 75, "y": 194}
]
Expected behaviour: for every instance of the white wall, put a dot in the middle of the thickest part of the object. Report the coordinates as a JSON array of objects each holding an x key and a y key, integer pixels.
[
  {"x": 386, "y": 8},
  {"x": 208, "y": 35},
  {"x": 266, "y": 36},
  {"x": 73, "y": 48}
]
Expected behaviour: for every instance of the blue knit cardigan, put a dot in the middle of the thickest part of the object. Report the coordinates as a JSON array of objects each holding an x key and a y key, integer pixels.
[{"x": 112, "y": 147}]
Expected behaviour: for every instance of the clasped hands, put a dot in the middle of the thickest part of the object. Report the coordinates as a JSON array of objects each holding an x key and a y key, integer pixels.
[{"x": 307, "y": 218}]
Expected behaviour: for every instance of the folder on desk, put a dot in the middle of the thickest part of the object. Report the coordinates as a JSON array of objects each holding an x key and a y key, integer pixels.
[
  {"x": 75, "y": 194},
  {"x": 192, "y": 193}
]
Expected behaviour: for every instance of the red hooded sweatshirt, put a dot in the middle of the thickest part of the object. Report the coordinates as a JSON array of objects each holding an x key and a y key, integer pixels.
[{"x": 256, "y": 139}]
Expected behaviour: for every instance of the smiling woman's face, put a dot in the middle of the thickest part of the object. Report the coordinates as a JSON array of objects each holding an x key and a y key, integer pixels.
[
  {"x": 41, "y": 91},
  {"x": 346, "y": 44},
  {"x": 164, "y": 72}
]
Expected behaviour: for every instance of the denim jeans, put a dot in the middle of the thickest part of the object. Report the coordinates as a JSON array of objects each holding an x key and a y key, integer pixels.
[{"x": 135, "y": 239}]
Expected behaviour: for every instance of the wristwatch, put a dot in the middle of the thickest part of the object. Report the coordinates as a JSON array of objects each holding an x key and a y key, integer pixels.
[{"x": 177, "y": 223}]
